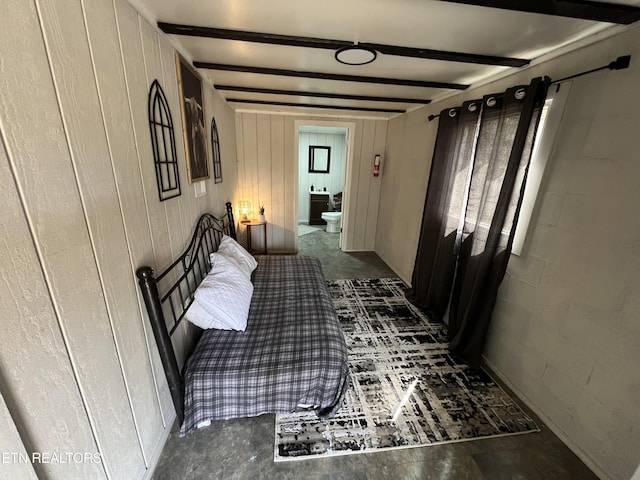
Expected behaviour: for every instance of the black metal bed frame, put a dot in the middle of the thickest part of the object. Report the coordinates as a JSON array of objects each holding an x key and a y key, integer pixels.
[{"x": 185, "y": 274}]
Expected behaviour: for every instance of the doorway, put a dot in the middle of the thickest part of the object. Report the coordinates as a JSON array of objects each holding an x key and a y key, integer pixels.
[{"x": 323, "y": 172}]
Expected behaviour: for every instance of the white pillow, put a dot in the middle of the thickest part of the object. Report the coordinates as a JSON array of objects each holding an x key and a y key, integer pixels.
[
  {"x": 232, "y": 249},
  {"x": 225, "y": 293},
  {"x": 197, "y": 315},
  {"x": 240, "y": 266}
]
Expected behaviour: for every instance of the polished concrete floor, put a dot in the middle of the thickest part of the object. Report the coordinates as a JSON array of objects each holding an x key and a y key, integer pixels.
[
  {"x": 243, "y": 448},
  {"x": 337, "y": 264}
]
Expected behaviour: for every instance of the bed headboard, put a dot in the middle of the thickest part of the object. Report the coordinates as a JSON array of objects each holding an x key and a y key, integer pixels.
[{"x": 178, "y": 282}]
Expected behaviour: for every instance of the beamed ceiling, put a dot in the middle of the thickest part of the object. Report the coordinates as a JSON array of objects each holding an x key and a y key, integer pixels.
[{"x": 279, "y": 55}]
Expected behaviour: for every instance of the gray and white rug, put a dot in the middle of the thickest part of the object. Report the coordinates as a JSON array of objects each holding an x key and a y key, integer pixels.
[{"x": 406, "y": 390}]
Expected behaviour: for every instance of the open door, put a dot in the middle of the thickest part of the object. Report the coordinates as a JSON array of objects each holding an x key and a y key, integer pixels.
[{"x": 324, "y": 160}]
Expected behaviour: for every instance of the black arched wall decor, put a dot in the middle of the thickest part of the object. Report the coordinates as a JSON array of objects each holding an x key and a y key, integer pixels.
[
  {"x": 215, "y": 152},
  {"x": 163, "y": 144}
]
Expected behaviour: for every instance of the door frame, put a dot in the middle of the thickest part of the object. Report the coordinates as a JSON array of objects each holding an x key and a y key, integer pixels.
[{"x": 350, "y": 127}]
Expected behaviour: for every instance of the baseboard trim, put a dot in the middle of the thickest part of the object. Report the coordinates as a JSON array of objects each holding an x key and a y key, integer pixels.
[
  {"x": 554, "y": 427},
  {"x": 153, "y": 463}
]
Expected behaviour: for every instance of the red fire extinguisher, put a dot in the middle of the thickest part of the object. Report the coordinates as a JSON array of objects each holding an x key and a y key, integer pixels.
[{"x": 376, "y": 166}]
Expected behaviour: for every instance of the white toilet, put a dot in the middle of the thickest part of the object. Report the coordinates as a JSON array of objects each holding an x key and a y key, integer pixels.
[{"x": 333, "y": 220}]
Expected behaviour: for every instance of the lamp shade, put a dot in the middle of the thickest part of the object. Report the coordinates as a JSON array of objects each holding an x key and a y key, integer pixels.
[{"x": 244, "y": 209}]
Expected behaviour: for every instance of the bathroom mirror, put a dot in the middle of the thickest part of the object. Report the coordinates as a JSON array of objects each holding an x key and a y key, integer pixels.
[{"x": 319, "y": 158}]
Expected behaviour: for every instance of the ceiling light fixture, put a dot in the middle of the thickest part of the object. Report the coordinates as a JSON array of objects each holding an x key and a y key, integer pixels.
[{"x": 355, "y": 55}]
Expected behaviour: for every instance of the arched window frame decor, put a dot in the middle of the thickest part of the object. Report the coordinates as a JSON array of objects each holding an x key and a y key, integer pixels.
[
  {"x": 163, "y": 144},
  {"x": 215, "y": 151}
]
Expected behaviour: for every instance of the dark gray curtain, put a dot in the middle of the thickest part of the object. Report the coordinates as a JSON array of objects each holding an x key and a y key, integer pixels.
[
  {"x": 480, "y": 191},
  {"x": 448, "y": 181}
]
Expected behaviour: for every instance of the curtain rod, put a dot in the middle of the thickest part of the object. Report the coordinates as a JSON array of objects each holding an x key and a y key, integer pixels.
[{"x": 619, "y": 63}]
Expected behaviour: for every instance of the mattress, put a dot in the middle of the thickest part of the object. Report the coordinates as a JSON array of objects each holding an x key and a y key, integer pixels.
[{"x": 292, "y": 352}]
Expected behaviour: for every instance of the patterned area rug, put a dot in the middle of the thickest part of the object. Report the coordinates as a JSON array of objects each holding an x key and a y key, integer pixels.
[
  {"x": 406, "y": 391},
  {"x": 306, "y": 229}
]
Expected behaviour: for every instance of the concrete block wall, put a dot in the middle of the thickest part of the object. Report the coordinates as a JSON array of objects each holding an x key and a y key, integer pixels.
[
  {"x": 565, "y": 331},
  {"x": 565, "y": 334}
]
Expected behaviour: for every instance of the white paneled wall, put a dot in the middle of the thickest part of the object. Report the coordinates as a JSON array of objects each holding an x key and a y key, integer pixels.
[
  {"x": 13, "y": 449},
  {"x": 363, "y": 188},
  {"x": 33, "y": 351},
  {"x": 80, "y": 369},
  {"x": 332, "y": 181},
  {"x": 268, "y": 175}
]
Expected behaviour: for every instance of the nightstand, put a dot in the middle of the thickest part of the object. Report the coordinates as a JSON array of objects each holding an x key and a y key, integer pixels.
[{"x": 256, "y": 224}]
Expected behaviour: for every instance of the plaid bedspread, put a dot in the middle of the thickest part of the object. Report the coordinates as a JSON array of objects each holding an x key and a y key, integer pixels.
[{"x": 292, "y": 353}]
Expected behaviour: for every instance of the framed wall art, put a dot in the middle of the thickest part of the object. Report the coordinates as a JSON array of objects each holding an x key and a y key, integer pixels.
[
  {"x": 193, "y": 129},
  {"x": 319, "y": 159}
]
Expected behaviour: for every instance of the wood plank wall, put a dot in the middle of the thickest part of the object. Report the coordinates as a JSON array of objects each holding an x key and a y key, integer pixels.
[
  {"x": 79, "y": 368},
  {"x": 332, "y": 181},
  {"x": 268, "y": 175}
]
